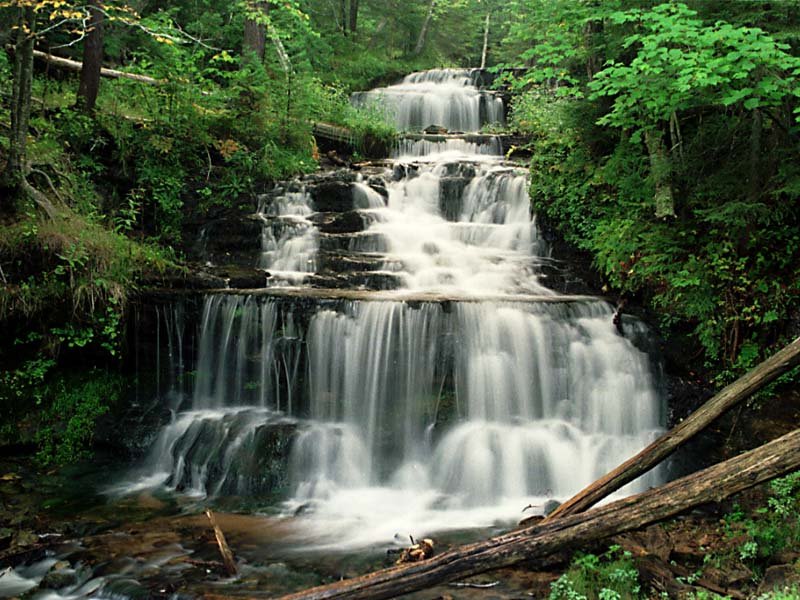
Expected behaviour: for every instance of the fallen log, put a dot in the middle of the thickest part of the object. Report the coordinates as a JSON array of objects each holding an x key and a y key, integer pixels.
[
  {"x": 712, "y": 484},
  {"x": 741, "y": 389},
  {"x": 74, "y": 65},
  {"x": 227, "y": 556}
]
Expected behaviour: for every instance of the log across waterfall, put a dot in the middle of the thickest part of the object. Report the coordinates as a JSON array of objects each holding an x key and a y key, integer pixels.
[{"x": 443, "y": 384}]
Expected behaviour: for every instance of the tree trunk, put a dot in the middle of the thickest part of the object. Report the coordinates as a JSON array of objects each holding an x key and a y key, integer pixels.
[
  {"x": 756, "y": 130},
  {"x": 741, "y": 389},
  {"x": 485, "y": 52},
  {"x": 423, "y": 33},
  {"x": 255, "y": 36},
  {"x": 661, "y": 171},
  {"x": 590, "y": 29},
  {"x": 353, "y": 16},
  {"x": 13, "y": 177},
  {"x": 89, "y": 85},
  {"x": 343, "y": 13},
  {"x": 535, "y": 543},
  {"x": 74, "y": 65}
]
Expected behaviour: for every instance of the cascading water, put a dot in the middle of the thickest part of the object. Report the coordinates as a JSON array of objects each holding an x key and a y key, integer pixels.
[
  {"x": 443, "y": 97},
  {"x": 380, "y": 416},
  {"x": 288, "y": 239}
]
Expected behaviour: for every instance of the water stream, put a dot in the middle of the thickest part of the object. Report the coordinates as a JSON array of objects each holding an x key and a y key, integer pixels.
[{"x": 368, "y": 420}]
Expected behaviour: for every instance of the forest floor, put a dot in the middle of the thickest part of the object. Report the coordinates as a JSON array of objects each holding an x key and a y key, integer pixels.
[{"x": 164, "y": 544}]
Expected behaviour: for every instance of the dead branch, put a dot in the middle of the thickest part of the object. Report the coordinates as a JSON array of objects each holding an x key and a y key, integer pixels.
[
  {"x": 227, "y": 556},
  {"x": 536, "y": 543}
]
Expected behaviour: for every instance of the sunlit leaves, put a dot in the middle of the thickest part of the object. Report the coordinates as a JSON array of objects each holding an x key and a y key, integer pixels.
[{"x": 683, "y": 63}]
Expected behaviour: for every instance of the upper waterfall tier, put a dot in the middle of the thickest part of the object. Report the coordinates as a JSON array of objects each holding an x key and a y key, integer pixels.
[{"x": 441, "y": 97}]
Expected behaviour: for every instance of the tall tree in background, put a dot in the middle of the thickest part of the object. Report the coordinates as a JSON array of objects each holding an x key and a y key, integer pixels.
[
  {"x": 12, "y": 180},
  {"x": 353, "y": 16},
  {"x": 423, "y": 32},
  {"x": 93, "y": 44},
  {"x": 255, "y": 33}
]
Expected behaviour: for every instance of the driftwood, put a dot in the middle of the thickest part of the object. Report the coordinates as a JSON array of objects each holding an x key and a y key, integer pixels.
[
  {"x": 227, "y": 556},
  {"x": 74, "y": 65},
  {"x": 712, "y": 484},
  {"x": 730, "y": 396}
]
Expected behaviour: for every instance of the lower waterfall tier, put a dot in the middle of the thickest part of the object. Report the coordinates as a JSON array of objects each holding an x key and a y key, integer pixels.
[{"x": 481, "y": 405}]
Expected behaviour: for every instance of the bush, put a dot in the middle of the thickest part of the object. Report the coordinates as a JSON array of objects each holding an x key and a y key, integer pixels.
[{"x": 610, "y": 576}]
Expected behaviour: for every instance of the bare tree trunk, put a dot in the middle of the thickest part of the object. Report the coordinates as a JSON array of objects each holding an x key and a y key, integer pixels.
[
  {"x": 741, "y": 389},
  {"x": 74, "y": 65},
  {"x": 592, "y": 62},
  {"x": 756, "y": 131},
  {"x": 485, "y": 52},
  {"x": 255, "y": 36},
  {"x": 540, "y": 541},
  {"x": 89, "y": 85},
  {"x": 423, "y": 33},
  {"x": 343, "y": 13},
  {"x": 661, "y": 170},
  {"x": 353, "y": 16},
  {"x": 13, "y": 177}
]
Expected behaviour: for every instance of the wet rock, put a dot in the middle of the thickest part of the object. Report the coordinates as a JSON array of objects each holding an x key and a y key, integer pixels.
[
  {"x": 25, "y": 538},
  {"x": 378, "y": 184},
  {"x": 242, "y": 278},
  {"x": 334, "y": 194},
  {"x": 59, "y": 577},
  {"x": 779, "y": 577},
  {"x": 435, "y": 130},
  {"x": 348, "y": 222},
  {"x": 404, "y": 171},
  {"x": 550, "y": 506},
  {"x": 232, "y": 240},
  {"x": 258, "y": 468}
]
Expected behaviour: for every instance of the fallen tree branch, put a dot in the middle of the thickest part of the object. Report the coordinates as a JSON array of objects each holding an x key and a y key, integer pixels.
[
  {"x": 74, "y": 65},
  {"x": 535, "y": 543},
  {"x": 227, "y": 556},
  {"x": 741, "y": 389}
]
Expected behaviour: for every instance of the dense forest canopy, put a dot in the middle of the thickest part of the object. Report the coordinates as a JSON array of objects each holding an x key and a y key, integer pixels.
[{"x": 664, "y": 138}]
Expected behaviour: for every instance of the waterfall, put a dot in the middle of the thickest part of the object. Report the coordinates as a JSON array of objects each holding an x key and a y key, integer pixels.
[
  {"x": 484, "y": 393},
  {"x": 288, "y": 239},
  {"x": 442, "y": 97}
]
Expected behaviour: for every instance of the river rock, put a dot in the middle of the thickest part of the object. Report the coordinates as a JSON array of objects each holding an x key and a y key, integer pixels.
[{"x": 59, "y": 577}]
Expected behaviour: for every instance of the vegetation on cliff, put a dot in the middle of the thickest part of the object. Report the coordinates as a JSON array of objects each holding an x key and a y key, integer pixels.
[{"x": 665, "y": 144}]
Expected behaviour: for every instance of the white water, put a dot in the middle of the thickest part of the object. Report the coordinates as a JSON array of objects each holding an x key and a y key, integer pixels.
[
  {"x": 414, "y": 418},
  {"x": 457, "y": 147},
  {"x": 288, "y": 240},
  {"x": 444, "y": 97}
]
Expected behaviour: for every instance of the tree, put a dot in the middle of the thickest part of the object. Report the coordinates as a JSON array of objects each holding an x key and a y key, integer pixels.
[
  {"x": 682, "y": 65},
  {"x": 423, "y": 32},
  {"x": 55, "y": 15},
  {"x": 255, "y": 32},
  {"x": 353, "y": 16},
  {"x": 89, "y": 86}
]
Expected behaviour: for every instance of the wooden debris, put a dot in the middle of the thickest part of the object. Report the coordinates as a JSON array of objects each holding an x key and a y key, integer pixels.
[
  {"x": 74, "y": 65},
  {"x": 539, "y": 542},
  {"x": 227, "y": 556},
  {"x": 416, "y": 552}
]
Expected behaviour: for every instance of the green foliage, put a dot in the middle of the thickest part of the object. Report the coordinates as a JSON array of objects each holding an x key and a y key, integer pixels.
[
  {"x": 789, "y": 593},
  {"x": 681, "y": 64},
  {"x": 771, "y": 528},
  {"x": 722, "y": 98},
  {"x": 75, "y": 404},
  {"x": 610, "y": 576}
]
